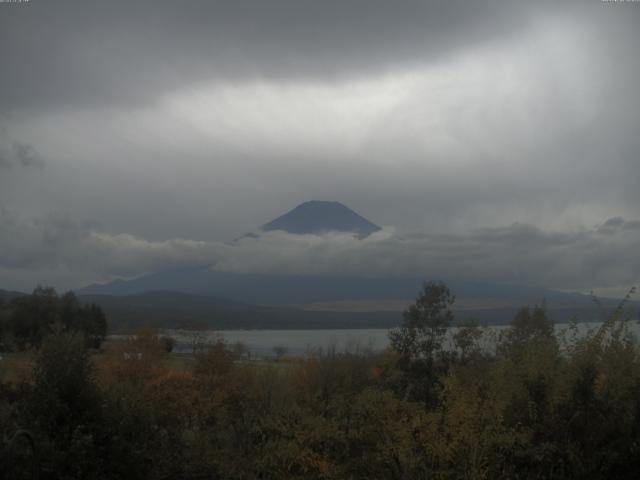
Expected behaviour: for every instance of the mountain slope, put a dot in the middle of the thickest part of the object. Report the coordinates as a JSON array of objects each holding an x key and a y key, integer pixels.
[
  {"x": 316, "y": 217},
  {"x": 179, "y": 310},
  {"x": 488, "y": 302}
]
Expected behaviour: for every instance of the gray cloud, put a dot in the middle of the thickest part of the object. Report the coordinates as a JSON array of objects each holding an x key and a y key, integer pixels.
[
  {"x": 71, "y": 53},
  {"x": 21, "y": 155},
  {"x": 176, "y": 125},
  {"x": 26, "y": 155},
  {"x": 520, "y": 254}
]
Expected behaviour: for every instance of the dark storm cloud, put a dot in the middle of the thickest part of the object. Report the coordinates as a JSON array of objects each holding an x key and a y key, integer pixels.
[{"x": 78, "y": 53}]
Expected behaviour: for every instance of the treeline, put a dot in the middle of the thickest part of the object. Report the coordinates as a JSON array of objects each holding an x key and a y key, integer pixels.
[
  {"x": 26, "y": 320},
  {"x": 534, "y": 405}
]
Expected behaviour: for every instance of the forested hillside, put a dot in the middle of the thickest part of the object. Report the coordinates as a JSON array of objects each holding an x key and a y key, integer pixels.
[{"x": 536, "y": 406}]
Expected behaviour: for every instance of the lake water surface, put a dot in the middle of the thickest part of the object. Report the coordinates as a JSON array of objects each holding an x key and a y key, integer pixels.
[{"x": 297, "y": 342}]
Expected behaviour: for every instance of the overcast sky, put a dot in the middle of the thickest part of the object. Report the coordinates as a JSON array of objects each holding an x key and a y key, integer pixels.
[{"x": 495, "y": 140}]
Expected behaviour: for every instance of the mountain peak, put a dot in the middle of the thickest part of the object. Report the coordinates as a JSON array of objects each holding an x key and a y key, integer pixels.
[{"x": 318, "y": 216}]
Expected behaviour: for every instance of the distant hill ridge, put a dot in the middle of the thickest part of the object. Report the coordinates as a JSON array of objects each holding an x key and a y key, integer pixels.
[
  {"x": 8, "y": 295},
  {"x": 179, "y": 309},
  {"x": 316, "y": 217},
  {"x": 198, "y": 292}
]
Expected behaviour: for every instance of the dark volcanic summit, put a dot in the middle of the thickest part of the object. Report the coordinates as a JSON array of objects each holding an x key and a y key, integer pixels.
[{"x": 316, "y": 217}]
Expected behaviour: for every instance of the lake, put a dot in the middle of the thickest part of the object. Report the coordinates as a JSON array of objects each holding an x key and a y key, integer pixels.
[{"x": 297, "y": 342}]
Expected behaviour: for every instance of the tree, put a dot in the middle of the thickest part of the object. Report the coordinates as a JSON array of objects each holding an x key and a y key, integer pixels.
[
  {"x": 63, "y": 408},
  {"x": 529, "y": 325},
  {"x": 62, "y": 379},
  {"x": 419, "y": 340},
  {"x": 88, "y": 319},
  {"x": 424, "y": 323},
  {"x": 93, "y": 324},
  {"x": 33, "y": 318},
  {"x": 467, "y": 341}
]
